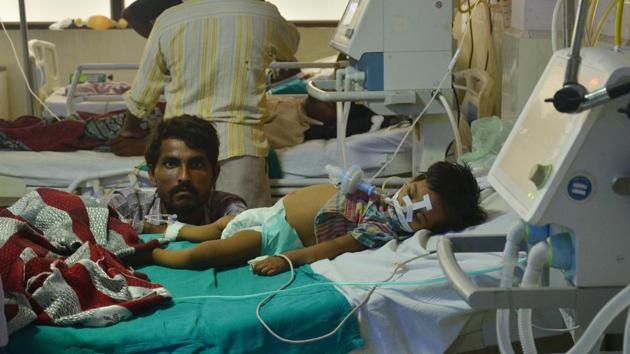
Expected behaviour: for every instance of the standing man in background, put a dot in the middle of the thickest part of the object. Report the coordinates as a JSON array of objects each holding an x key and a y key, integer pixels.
[
  {"x": 209, "y": 57},
  {"x": 141, "y": 14}
]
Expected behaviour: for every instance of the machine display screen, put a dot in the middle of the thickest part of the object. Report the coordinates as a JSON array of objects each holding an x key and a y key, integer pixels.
[
  {"x": 542, "y": 136},
  {"x": 351, "y": 9}
]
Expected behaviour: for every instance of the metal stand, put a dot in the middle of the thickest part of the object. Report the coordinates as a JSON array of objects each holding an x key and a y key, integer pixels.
[{"x": 27, "y": 64}]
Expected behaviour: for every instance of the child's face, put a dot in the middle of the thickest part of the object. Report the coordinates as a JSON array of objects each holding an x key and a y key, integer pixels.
[{"x": 424, "y": 219}]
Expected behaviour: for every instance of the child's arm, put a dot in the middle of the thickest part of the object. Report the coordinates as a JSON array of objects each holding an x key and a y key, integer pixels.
[
  {"x": 325, "y": 250},
  {"x": 194, "y": 233}
]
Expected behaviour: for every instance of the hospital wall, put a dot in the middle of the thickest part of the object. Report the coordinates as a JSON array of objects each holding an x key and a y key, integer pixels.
[{"x": 113, "y": 46}]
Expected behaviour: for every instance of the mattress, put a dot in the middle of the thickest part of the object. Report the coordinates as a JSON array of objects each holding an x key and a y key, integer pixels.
[
  {"x": 59, "y": 169},
  {"x": 370, "y": 151}
]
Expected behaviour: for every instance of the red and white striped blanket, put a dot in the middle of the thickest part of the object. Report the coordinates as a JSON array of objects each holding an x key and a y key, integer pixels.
[{"x": 59, "y": 263}]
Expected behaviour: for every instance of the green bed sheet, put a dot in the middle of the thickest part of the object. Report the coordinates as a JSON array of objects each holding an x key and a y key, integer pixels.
[{"x": 212, "y": 325}]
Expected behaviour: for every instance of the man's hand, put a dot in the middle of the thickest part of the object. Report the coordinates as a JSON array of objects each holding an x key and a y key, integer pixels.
[
  {"x": 271, "y": 266},
  {"x": 131, "y": 140},
  {"x": 122, "y": 146}
]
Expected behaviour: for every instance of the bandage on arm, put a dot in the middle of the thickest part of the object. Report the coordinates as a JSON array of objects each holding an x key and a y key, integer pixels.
[{"x": 172, "y": 230}]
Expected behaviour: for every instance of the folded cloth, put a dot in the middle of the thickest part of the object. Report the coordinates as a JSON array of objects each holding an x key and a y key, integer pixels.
[{"x": 59, "y": 265}]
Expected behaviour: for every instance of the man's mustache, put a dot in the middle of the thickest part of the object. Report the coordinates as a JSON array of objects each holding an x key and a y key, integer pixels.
[{"x": 183, "y": 187}]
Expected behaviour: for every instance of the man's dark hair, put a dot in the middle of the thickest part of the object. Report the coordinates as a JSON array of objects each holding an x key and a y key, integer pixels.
[
  {"x": 458, "y": 189},
  {"x": 196, "y": 133}
]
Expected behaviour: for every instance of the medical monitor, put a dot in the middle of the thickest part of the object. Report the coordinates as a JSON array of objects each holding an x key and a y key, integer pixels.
[
  {"x": 348, "y": 14},
  {"x": 542, "y": 143},
  {"x": 359, "y": 29}
]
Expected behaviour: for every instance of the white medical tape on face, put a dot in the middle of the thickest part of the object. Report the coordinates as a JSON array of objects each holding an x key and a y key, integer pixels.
[
  {"x": 405, "y": 213},
  {"x": 172, "y": 230}
]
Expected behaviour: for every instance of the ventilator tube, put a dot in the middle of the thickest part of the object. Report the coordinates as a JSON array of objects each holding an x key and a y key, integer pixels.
[{"x": 351, "y": 180}]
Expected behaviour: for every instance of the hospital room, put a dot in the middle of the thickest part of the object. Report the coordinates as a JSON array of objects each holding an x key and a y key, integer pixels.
[{"x": 315, "y": 176}]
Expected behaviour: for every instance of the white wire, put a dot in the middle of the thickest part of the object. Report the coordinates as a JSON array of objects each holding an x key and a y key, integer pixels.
[
  {"x": 17, "y": 61},
  {"x": 384, "y": 185},
  {"x": 343, "y": 321},
  {"x": 561, "y": 330},
  {"x": 409, "y": 130}
]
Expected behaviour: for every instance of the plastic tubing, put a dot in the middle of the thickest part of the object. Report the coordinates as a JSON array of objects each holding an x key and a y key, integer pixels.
[
  {"x": 535, "y": 263},
  {"x": 618, "y": 20},
  {"x": 341, "y": 136},
  {"x": 602, "y": 320},
  {"x": 554, "y": 25},
  {"x": 510, "y": 253},
  {"x": 626, "y": 336},
  {"x": 590, "y": 18},
  {"x": 453, "y": 120},
  {"x": 602, "y": 22}
]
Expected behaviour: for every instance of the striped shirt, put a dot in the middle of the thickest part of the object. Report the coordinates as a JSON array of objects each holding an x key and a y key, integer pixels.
[
  {"x": 370, "y": 221},
  {"x": 133, "y": 205},
  {"x": 209, "y": 57}
]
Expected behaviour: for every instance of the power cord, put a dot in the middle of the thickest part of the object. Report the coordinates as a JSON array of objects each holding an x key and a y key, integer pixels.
[{"x": 28, "y": 86}]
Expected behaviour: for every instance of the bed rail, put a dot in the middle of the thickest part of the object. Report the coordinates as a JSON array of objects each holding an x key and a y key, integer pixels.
[
  {"x": 94, "y": 184},
  {"x": 71, "y": 100}
]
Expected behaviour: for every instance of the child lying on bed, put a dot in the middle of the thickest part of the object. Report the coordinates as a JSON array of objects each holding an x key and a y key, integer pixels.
[{"x": 319, "y": 222}]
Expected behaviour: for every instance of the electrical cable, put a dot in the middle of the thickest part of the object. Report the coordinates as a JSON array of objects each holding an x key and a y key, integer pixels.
[
  {"x": 561, "y": 330},
  {"x": 472, "y": 37},
  {"x": 17, "y": 61},
  {"x": 454, "y": 125},
  {"x": 343, "y": 321},
  {"x": 602, "y": 22},
  {"x": 429, "y": 281},
  {"x": 459, "y": 115},
  {"x": 433, "y": 96}
]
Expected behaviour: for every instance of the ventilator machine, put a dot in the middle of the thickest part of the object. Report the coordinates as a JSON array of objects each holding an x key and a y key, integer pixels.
[
  {"x": 565, "y": 169},
  {"x": 397, "y": 52},
  {"x": 398, "y": 58}
]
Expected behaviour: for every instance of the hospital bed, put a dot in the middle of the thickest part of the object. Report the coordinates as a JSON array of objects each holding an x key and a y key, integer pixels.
[
  {"x": 213, "y": 310},
  {"x": 302, "y": 165},
  {"x": 47, "y": 82}
]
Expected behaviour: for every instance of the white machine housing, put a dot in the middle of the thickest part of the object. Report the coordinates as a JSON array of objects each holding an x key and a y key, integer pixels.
[
  {"x": 400, "y": 45},
  {"x": 558, "y": 168}
]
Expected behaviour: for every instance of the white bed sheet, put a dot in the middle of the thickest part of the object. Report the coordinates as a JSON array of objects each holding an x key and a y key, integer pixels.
[
  {"x": 368, "y": 150},
  {"x": 60, "y": 169},
  {"x": 56, "y": 102},
  {"x": 415, "y": 318}
]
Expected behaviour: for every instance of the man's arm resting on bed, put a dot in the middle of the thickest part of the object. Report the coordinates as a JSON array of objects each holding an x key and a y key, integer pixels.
[
  {"x": 325, "y": 250},
  {"x": 207, "y": 232},
  {"x": 193, "y": 233}
]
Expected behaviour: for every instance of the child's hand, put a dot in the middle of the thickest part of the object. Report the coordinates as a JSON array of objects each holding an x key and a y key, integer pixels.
[
  {"x": 270, "y": 266},
  {"x": 223, "y": 221}
]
